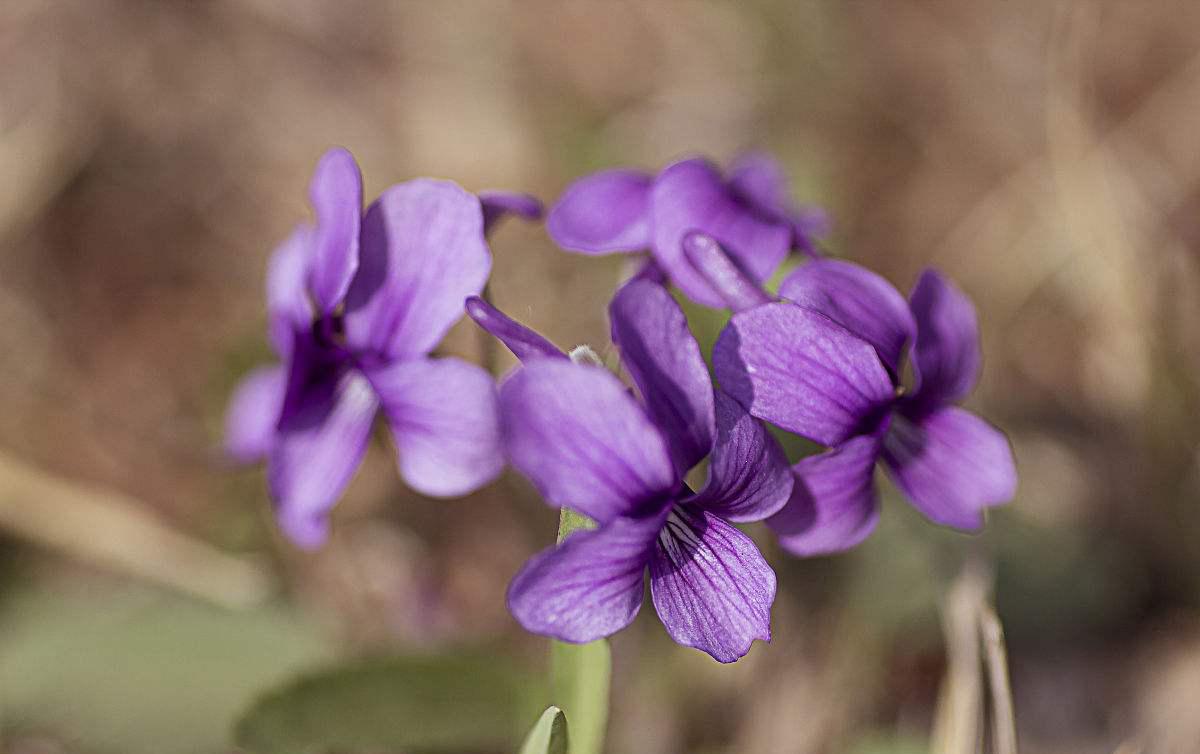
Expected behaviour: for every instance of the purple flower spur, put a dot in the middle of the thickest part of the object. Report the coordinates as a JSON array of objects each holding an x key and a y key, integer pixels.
[
  {"x": 749, "y": 212},
  {"x": 826, "y": 364},
  {"x": 587, "y": 444},
  {"x": 355, "y": 304}
]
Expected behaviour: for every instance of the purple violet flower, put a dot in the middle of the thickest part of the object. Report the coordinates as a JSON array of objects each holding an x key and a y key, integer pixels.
[
  {"x": 826, "y": 364},
  {"x": 749, "y": 212},
  {"x": 583, "y": 439},
  {"x": 355, "y": 305}
]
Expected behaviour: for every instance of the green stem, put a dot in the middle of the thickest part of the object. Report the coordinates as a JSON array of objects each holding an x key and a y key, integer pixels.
[{"x": 580, "y": 673}]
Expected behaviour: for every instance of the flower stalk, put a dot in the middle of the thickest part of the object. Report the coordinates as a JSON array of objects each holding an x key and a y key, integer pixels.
[{"x": 580, "y": 673}]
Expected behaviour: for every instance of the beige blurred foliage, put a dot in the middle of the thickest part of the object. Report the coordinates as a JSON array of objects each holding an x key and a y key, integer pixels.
[{"x": 1044, "y": 154}]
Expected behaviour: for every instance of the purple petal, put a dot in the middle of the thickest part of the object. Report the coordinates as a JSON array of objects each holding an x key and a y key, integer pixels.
[
  {"x": 523, "y": 342},
  {"x": 946, "y": 352},
  {"x": 664, "y": 360},
  {"x": 499, "y": 204},
  {"x": 423, "y": 253},
  {"x": 253, "y": 412},
  {"x": 834, "y": 505},
  {"x": 588, "y": 587},
  {"x": 580, "y": 437},
  {"x": 710, "y": 585},
  {"x": 603, "y": 212},
  {"x": 319, "y": 446},
  {"x": 857, "y": 299},
  {"x": 289, "y": 309},
  {"x": 951, "y": 464},
  {"x": 759, "y": 180},
  {"x": 647, "y": 269},
  {"x": 336, "y": 194},
  {"x": 748, "y": 475},
  {"x": 311, "y": 366},
  {"x": 736, "y": 288},
  {"x": 445, "y": 422},
  {"x": 811, "y": 222},
  {"x": 798, "y": 369},
  {"x": 690, "y": 195}
]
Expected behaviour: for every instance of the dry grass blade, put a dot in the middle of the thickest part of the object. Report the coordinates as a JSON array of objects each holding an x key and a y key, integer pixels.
[
  {"x": 1004, "y": 726},
  {"x": 974, "y": 643},
  {"x": 959, "y": 712},
  {"x": 114, "y": 531}
]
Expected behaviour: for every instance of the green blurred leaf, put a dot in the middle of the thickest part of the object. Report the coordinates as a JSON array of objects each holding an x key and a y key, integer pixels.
[
  {"x": 140, "y": 672},
  {"x": 454, "y": 702},
  {"x": 548, "y": 735},
  {"x": 889, "y": 743},
  {"x": 898, "y": 575},
  {"x": 581, "y": 675}
]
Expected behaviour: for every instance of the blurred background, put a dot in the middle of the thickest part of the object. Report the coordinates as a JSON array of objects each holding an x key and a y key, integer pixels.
[{"x": 1043, "y": 154}]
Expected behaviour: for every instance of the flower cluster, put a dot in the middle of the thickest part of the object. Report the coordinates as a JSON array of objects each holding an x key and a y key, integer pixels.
[{"x": 357, "y": 303}]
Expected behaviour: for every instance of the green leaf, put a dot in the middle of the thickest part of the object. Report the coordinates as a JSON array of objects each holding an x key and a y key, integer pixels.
[
  {"x": 455, "y": 702},
  {"x": 548, "y": 735},
  {"x": 581, "y": 674},
  {"x": 138, "y": 671}
]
